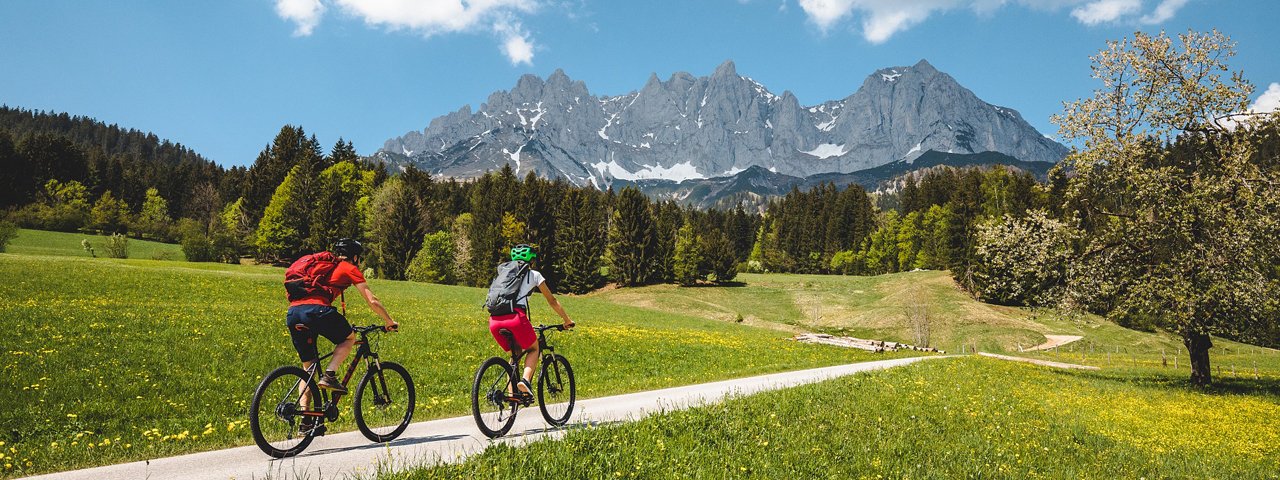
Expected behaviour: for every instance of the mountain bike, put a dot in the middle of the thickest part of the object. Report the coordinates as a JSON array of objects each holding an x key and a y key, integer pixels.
[
  {"x": 289, "y": 410},
  {"x": 495, "y": 399}
]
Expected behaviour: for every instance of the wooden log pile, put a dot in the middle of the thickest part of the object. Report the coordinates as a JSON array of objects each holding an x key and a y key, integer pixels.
[{"x": 860, "y": 343}]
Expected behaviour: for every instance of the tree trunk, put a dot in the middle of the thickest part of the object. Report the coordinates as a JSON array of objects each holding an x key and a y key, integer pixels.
[{"x": 1198, "y": 345}]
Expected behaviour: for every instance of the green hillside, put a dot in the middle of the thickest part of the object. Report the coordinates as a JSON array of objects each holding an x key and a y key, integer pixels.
[
  {"x": 116, "y": 360},
  {"x": 876, "y": 308},
  {"x": 41, "y": 242}
]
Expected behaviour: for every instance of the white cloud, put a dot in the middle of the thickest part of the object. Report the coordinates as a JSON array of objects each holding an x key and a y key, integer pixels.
[
  {"x": 516, "y": 44},
  {"x": 826, "y": 13},
  {"x": 305, "y": 13},
  {"x": 428, "y": 18},
  {"x": 884, "y": 23},
  {"x": 882, "y": 19},
  {"x": 1104, "y": 11},
  {"x": 1269, "y": 101},
  {"x": 1163, "y": 12},
  {"x": 432, "y": 17}
]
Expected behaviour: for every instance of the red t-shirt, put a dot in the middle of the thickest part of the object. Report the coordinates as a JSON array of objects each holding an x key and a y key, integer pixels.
[{"x": 345, "y": 275}]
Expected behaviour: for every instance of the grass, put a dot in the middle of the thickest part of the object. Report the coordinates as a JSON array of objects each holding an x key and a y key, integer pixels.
[
  {"x": 876, "y": 308},
  {"x": 867, "y": 307},
  {"x": 40, "y": 242},
  {"x": 113, "y": 360},
  {"x": 948, "y": 418},
  {"x": 108, "y": 360}
]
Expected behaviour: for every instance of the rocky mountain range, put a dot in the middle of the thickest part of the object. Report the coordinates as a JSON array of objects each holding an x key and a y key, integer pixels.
[{"x": 690, "y": 128}]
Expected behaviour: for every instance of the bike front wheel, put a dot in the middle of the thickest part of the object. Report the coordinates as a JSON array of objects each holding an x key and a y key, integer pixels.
[
  {"x": 277, "y": 414},
  {"x": 556, "y": 390},
  {"x": 491, "y": 403},
  {"x": 384, "y": 402}
]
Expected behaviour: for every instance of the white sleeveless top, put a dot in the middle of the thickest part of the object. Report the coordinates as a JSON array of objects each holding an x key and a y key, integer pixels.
[{"x": 531, "y": 282}]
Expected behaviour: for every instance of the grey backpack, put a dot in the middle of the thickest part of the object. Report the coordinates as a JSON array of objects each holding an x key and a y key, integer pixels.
[{"x": 504, "y": 291}]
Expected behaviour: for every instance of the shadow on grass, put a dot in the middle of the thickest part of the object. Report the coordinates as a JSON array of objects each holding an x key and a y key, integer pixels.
[
  {"x": 1180, "y": 380},
  {"x": 733, "y": 284}
]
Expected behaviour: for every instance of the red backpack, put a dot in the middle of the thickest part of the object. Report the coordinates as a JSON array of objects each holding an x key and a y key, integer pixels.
[{"x": 309, "y": 277}]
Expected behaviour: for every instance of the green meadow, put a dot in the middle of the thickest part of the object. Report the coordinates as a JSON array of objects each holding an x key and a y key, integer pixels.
[
  {"x": 111, "y": 360},
  {"x": 39, "y": 242},
  {"x": 114, "y": 360},
  {"x": 968, "y": 417},
  {"x": 877, "y": 308}
]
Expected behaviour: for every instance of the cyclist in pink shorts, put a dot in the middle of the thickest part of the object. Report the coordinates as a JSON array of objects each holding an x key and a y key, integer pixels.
[{"x": 518, "y": 323}]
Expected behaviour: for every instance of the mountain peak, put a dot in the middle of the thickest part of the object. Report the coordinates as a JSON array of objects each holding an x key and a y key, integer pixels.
[
  {"x": 726, "y": 69},
  {"x": 923, "y": 66},
  {"x": 529, "y": 86},
  {"x": 558, "y": 77}
]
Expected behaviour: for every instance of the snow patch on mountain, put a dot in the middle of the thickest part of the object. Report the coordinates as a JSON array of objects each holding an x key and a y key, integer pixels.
[
  {"x": 826, "y": 150},
  {"x": 678, "y": 172}
]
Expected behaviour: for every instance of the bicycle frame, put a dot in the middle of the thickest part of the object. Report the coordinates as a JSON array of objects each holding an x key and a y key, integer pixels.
[
  {"x": 517, "y": 354},
  {"x": 330, "y": 400}
]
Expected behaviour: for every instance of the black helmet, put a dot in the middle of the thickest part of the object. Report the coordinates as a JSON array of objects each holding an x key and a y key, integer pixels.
[{"x": 347, "y": 247}]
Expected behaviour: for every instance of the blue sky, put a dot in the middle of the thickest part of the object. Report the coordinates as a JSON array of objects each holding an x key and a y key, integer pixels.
[{"x": 222, "y": 77}]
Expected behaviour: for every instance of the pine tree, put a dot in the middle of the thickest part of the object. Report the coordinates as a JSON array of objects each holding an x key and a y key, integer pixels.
[
  {"x": 343, "y": 152},
  {"x": 909, "y": 199},
  {"x": 17, "y": 185},
  {"x": 393, "y": 228},
  {"x": 719, "y": 260},
  {"x": 687, "y": 257},
  {"x": 631, "y": 239},
  {"x": 667, "y": 220},
  {"x": 342, "y": 192},
  {"x": 581, "y": 240},
  {"x": 910, "y": 236},
  {"x": 290, "y": 148}
]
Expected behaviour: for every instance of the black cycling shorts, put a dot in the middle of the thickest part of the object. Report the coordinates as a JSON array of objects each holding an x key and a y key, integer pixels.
[{"x": 306, "y": 322}]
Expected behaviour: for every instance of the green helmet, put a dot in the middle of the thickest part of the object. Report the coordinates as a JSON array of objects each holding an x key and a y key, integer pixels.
[{"x": 523, "y": 253}]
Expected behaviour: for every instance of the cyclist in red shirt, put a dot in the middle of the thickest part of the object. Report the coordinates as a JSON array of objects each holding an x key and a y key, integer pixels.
[{"x": 315, "y": 316}]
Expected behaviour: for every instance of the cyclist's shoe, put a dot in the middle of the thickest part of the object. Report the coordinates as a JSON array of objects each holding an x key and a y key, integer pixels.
[
  {"x": 306, "y": 425},
  {"x": 329, "y": 381},
  {"x": 523, "y": 388}
]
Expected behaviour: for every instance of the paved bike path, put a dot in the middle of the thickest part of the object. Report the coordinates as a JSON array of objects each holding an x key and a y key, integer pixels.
[{"x": 452, "y": 439}]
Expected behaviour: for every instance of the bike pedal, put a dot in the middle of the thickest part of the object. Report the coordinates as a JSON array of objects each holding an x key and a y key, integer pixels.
[{"x": 318, "y": 431}]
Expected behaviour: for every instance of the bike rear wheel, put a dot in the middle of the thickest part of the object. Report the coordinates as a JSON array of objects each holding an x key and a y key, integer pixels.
[
  {"x": 275, "y": 415},
  {"x": 490, "y": 406},
  {"x": 384, "y": 402},
  {"x": 556, "y": 390}
]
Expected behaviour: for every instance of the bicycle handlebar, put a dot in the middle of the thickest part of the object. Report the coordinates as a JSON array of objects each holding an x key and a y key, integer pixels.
[
  {"x": 371, "y": 328},
  {"x": 542, "y": 328}
]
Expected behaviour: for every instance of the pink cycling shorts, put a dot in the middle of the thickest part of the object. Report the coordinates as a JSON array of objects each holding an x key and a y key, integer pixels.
[{"x": 519, "y": 325}]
